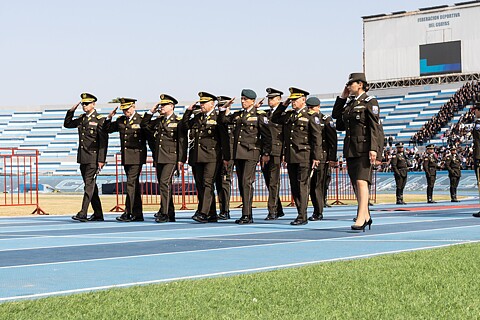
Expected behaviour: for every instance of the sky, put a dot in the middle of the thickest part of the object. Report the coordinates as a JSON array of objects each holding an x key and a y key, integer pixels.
[{"x": 53, "y": 50}]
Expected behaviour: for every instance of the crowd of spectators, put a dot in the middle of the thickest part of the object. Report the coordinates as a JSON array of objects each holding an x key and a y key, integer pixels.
[{"x": 457, "y": 102}]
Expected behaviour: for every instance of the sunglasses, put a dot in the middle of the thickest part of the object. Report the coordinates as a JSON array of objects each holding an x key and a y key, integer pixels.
[{"x": 85, "y": 103}]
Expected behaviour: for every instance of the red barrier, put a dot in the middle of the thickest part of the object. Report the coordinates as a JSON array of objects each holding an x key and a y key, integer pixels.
[
  {"x": 185, "y": 194},
  {"x": 19, "y": 183}
]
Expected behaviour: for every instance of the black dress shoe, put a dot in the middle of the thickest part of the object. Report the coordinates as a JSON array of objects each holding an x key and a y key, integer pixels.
[
  {"x": 316, "y": 217},
  {"x": 244, "y": 220},
  {"x": 298, "y": 222},
  {"x": 280, "y": 214},
  {"x": 200, "y": 217},
  {"x": 431, "y": 201},
  {"x": 95, "y": 218},
  {"x": 124, "y": 218},
  {"x": 476, "y": 215},
  {"x": 172, "y": 219},
  {"x": 271, "y": 216},
  {"x": 212, "y": 218},
  {"x": 403, "y": 202},
  {"x": 80, "y": 217},
  {"x": 399, "y": 202},
  {"x": 135, "y": 218},
  {"x": 455, "y": 200},
  {"x": 224, "y": 216},
  {"x": 160, "y": 218},
  {"x": 156, "y": 215}
]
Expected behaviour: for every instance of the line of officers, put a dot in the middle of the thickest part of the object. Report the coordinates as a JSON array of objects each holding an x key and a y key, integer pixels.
[
  {"x": 400, "y": 164},
  {"x": 214, "y": 140}
]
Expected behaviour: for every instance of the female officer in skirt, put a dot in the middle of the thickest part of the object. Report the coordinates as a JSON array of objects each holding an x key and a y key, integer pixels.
[{"x": 358, "y": 115}]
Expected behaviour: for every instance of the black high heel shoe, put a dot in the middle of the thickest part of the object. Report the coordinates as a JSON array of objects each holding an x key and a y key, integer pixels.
[{"x": 362, "y": 227}]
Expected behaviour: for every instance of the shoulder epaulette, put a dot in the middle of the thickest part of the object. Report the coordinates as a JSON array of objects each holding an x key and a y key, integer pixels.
[
  {"x": 311, "y": 112},
  {"x": 325, "y": 117},
  {"x": 99, "y": 116},
  {"x": 369, "y": 98},
  {"x": 261, "y": 112}
]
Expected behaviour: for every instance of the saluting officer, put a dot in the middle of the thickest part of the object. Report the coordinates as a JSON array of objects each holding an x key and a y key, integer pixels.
[
  {"x": 302, "y": 147},
  {"x": 134, "y": 154},
  {"x": 359, "y": 117},
  {"x": 476, "y": 143},
  {"x": 91, "y": 154},
  {"x": 170, "y": 151},
  {"x": 454, "y": 166},
  {"x": 210, "y": 148},
  {"x": 223, "y": 181},
  {"x": 329, "y": 148},
  {"x": 252, "y": 139},
  {"x": 400, "y": 165},
  {"x": 271, "y": 169},
  {"x": 430, "y": 167}
]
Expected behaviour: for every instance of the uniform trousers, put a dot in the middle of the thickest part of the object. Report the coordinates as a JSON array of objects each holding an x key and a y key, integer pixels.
[
  {"x": 430, "y": 184},
  {"x": 164, "y": 177},
  {"x": 246, "y": 179},
  {"x": 90, "y": 195},
  {"x": 271, "y": 174},
  {"x": 223, "y": 184},
  {"x": 317, "y": 185},
  {"x": 299, "y": 174},
  {"x": 204, "y": 174},
  {"x": 133, "y": 202}
]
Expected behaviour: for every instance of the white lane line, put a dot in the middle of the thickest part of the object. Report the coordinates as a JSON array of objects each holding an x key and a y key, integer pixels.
[
  {"x": 226, "y": 248},
  {"x": 224, "y": 273},
  {"x": 105, "y": 235},
  {"x": 152, "y": 239}
]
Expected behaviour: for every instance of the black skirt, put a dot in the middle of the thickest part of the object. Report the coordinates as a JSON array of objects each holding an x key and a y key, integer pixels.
[{"x": 359, "y": 168}]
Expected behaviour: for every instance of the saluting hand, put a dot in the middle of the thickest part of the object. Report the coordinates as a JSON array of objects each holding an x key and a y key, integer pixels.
[
  {"x": 345, "y": 93},
  {"x": 190, "y": 107},
  {"x": 112, "y": 113},
  {"x": 287, "y": 102},
  {"x": 259, "y": 103},
  {"x": 154, "y": 108},
  {"x": 75, "y": 106}
]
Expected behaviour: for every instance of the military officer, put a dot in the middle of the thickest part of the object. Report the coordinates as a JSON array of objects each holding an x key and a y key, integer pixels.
[
  {"x": 91, "y": 154},
  {"x": 359, "y": 117},
  {"x": 476, "y": 143},
  {"x": 223, "y": 181},
  {"x": 400, "y": 165},
  {"x": 430, "y": 167},
  {"x": 329, "y": 148},
  {"x": 210, "y": 149},
  {"x": 252, "y": 139},
  {"x": 170, "y": 151},
  {"x": 453, "y": 164},
  {"x": 134, "y": 154},
  {"x": 302, "y": 147},
  {"x": 271, "y": 169}
]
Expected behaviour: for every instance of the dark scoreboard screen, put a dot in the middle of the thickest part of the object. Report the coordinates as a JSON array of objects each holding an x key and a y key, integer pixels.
[{"x": 440, "y": 58}]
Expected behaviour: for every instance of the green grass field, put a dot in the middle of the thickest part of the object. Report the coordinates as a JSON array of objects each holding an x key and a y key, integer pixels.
[{"x": 435, "y": 284}]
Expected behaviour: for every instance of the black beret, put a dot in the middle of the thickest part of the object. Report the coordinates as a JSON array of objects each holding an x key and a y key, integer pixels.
[
  {"x": 313, "y": 102},
  {"x": 249, "y": 93}
]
